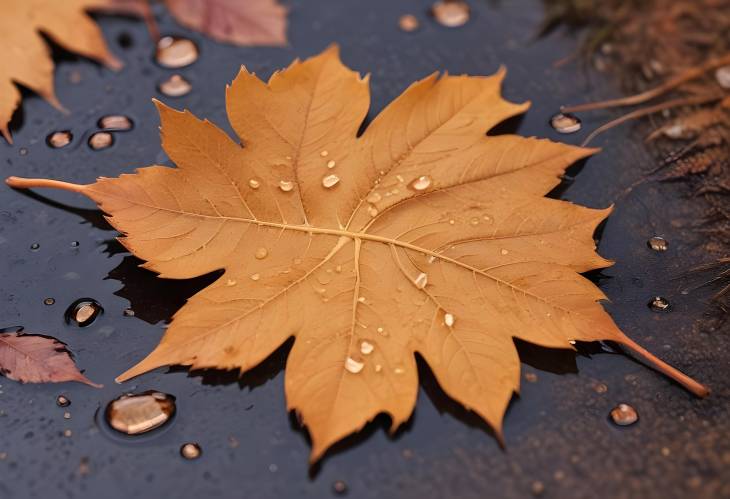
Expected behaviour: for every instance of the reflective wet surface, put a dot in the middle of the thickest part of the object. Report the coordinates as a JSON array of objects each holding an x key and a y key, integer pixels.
[{"x": 559, "y": 439}]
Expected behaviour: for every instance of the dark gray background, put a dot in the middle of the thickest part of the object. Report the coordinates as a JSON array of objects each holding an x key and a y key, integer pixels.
[{"x": 556, "y": 432}]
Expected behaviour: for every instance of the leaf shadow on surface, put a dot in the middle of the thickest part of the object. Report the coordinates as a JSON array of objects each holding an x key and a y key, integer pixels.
[{"x": 93, "y": 216}]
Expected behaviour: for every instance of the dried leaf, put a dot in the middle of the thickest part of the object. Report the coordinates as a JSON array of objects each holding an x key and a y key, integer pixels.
[
  {"x": 26, "y": 57},
  {"x": 423, "y": 235},
  {"x": 249, "y": 22},
  {"x": 30, "y": 358}
]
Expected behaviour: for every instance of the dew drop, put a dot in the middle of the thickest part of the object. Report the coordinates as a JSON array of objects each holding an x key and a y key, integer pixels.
[
  {"x": 330, "y": 181},
  {"x": 658, "y": 243},
  {"x": 659, "y": 304},
  {"x": 374, "y": 197},
  {"x": 452, "y": 222},
  {"x": 474, "y": 221},
  {"x": 565, "y": 123},
  {"x": 361, "y": 299},
  {"x": 174, "y": 52},
  {"x": 116, "y": 122},
  {"x": 624, "y": 415},
  {"x": 134, "y": 414},
  {"x": 449, "y": 320},
  {"x": 286, "y": 185},
  {"x": 128, "y": 312},
  {"x": 600, "y": 388},
  {"x": 722, "y": 75},
  {"x": 175, "y": 86},
  {"x": 339, "y": 487},
  {"x": 261, "y": 253},
  {"x": 331, "y": 163},
  {"x": 353, "y": 365},
  {"x": 35, "y": 247},
  {"x": 190, "y": 450},
  {"x": 67, "y": 433},
  {"x": 254, "y": 184},
  {"x": 324, "y": 154},
  {"x": 399, "y": 370},
  {"x": 378, "y": 368},
  {"x": 372, "y": 211},
  {"x": 49, "y": 301},
  {"x": 255, "y": 277},
  {"x": 450, "y": 13},
  {"x": 101, "y": 140},
  {"x": 421, "y": 280},
  {"x": 60, "y": 139},
  {"x": 83, "y": 312},
  {"x": 74, "y": 244},
  {"x": 421, "y": 183},
  {"x": 66, "y": 415},
  {"x": 230, "y": 282},
  {"x": 63, "y": 401},
  {"x": 408, "y": 23},
  {"x": 504, "y": 252},
  {"x": 338, "y": 269},
  {"x": 366, "y": 348}
]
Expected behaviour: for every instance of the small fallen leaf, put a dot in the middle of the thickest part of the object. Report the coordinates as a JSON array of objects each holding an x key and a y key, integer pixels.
[
  {"x": 31, "y": 358},
  {"x": 26, "y": 56},
  {"x": 240, "y": 22},
  {"x": 421, "y": 235}
]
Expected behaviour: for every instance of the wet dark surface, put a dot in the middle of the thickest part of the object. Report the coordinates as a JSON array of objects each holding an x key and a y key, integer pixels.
[{"x": 557, "y": 431}]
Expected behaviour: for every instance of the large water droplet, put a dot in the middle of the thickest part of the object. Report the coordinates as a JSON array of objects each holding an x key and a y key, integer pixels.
[
  {"x": 450, "y": 13},
  {"x": 117, "y": 122},
  {"x": 565, "y": 123},
  {"x": 353, "y": 365},
  {"x": 624, "y": 415},
  {"x": 421, "y": 183},
  {"x": 421, "y": 280},
  {"x": 658, "y": 243},
  {"x": 101, "y": 140},
  {"x": 59, "y": 139},
  {"x": 173, "y": 52},
  {"x": 175, "y": 86},
  {"x": 135, "y": 414},
  {"x": 83, "y": 312},
  {"x": 449, "y": 320},
  {"x": 286, "y": 185},
  {"x": 190, "y": 450},
  {"x": 366, "y": 348},
  {"x": 408, "y": 23},
  {"x": 261, "y": 253},
  {"x": 659, "y": 304},
  {"x": 330, "y": 181}
]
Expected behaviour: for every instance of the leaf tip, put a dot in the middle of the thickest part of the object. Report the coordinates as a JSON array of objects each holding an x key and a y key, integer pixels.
[{"x": 5, "y": 131}]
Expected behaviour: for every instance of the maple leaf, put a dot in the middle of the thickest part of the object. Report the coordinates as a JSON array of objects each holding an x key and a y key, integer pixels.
[
  {"x": 26, "y": 57},
  {"x": 422, "y": 235},
  {"x": 250, "y": 22},
  {"x": 31, "y": 358}
]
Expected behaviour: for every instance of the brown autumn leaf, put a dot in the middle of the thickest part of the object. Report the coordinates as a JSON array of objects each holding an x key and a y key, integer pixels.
[
  {"x": 249, "y": 22},
  {"x": 26, "y": 56},
  {"x": 423, "y": 235},
  {"x": 31, "y": 358}
]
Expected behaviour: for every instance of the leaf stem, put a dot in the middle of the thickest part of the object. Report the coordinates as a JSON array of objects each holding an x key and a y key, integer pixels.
[
  {"x": 29, "y": 183},
  {"x": 690, "y": 384}
]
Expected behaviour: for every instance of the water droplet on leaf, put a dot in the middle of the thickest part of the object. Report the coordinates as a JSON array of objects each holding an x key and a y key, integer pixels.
[
  {"x": 366, "y": 348},
  {"x": 421, "y": 183},
  {"x": 421, "y": 280},
  {"x": 330, "y": 181},
  {"x": 449, "y": 320},
  {"x": 254, "y": 184},
  {"x": 286, "y": 185},
  {"x": 261, "y": 253},
  {"x": 353, "y": 365},
  {"x": 331, "y": 163}
]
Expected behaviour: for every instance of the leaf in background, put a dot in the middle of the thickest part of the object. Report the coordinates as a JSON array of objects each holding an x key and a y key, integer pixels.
[
  {"x": 26, "y": 56},
  {"x": 423, "y": 235},
  {"x": 240, "y": 22},
  {"x": 32, "y": 358}
]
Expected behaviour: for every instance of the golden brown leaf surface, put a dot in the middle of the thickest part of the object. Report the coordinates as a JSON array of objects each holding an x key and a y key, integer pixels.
[
  {"x": 31, "y": 358},
  {"x": 26, "y": 56},
  {"x": 249, "y": 22},
  {"x": 435, "y": 239}
]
